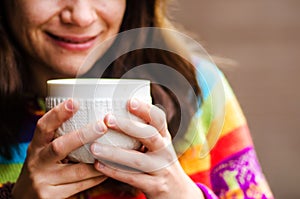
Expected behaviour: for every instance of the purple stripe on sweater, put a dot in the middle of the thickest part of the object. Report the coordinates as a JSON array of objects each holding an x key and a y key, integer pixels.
[
  {"x": 207, "y": 193},
  {"x": 240, "y": 176}
]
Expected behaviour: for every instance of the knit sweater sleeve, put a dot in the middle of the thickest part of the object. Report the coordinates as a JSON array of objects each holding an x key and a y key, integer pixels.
[
  {"x": 5, "y": 190},
  {"x": 220, "y": 157}
]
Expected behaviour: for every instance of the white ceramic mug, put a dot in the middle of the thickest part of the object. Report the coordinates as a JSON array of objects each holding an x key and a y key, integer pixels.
[{"x": 96, "y": 98}]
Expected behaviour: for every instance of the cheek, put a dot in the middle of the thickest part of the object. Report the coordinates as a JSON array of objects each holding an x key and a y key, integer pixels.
[
  {"x": 30, "y": 17},
  {"x": 113, "y": 12},
  {"x": 35, "y": 13}
]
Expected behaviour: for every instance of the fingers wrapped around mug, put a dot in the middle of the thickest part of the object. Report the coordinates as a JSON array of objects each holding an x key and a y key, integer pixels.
[
  {"x": 152, "y": 133},
  {"x": 151, "y": 114},
  {"x": 59, "y": 148},
  {"x": 52, "y": 120},
  {"x": 43, "y": 175},
  {"x": 53, "y": 150}
]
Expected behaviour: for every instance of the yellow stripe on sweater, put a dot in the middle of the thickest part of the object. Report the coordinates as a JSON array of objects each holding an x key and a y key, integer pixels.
[
  {"x": 191, "y": 161},
  {"x": 234, "y": 116}
]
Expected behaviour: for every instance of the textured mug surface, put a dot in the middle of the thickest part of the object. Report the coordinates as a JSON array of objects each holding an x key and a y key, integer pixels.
[{"x": 96, "y": 98}]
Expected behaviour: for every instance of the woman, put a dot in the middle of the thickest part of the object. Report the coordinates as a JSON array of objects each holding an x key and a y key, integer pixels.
[{"x": 41, "y": 40}]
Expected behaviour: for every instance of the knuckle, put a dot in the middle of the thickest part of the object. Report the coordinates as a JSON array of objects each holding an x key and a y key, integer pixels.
[
  {"x": 81, "y": 136},
  {"x": 161, "y": 120},
  {"x": 30, "y": 166},
  {"x": 139, "y": 163},
  {"x": 154, "y": 139},
  {"x": 158, "y": 118},
  {"x": 160, "y": 186},
  {"x": 170, "y": 158},
  {"x": 114, "y": 173},
  {"x": 161, "y": 113},
  {"x": 41, "y": 125},
  {"x": 168, "y": 137},
  {"x": 153, "y": 186},
  {"x": 81, "y": 172},
  {"x": 131, "y": 180},
  {"x": 57, "y": 147},
  {"x": 60, "y": 113},
  {"x": 55, "y": 110},
  {"x": 30, "y": 150}
]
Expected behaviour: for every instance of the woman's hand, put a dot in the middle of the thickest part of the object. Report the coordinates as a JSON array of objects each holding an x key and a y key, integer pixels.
[
  {"x": 43, "y": 175},
  {"x": 157, "y": 171}
]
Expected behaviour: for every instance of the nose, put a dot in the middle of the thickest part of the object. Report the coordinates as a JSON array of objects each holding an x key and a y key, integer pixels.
[{"x": 79, "y": 12}]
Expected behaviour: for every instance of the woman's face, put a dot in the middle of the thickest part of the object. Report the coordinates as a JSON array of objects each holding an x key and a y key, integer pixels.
[{"x": 58, "y": 34}]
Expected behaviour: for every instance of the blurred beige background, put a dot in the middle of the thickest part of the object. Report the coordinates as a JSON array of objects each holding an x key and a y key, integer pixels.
[{"x": 263, "y": 37}]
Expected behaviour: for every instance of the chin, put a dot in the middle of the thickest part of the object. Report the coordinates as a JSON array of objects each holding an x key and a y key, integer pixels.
[
  {"x": 72, "y": 71},
  {"x": 73, "y": 66}
]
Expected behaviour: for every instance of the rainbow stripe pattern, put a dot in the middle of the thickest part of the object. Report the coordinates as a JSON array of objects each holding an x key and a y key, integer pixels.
[{"x": 217, "y": 151}]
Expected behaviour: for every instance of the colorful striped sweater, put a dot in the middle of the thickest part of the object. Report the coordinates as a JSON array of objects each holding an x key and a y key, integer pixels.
[{"x": 217, "y": 151}]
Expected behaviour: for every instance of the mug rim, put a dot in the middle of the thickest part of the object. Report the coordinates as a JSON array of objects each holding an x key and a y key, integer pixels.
[{"x": 96, "y": 81}]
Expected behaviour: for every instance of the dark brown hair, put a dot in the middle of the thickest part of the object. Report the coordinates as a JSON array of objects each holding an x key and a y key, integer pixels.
[
  {"x": 139, "y": 13},
  {"x": 11, "y": 105}
]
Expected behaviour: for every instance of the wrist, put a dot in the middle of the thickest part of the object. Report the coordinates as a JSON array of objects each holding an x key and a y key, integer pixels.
[{"x": 186, "y": 187}]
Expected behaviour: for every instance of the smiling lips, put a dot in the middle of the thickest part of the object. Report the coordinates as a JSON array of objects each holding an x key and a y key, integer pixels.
[{"x": 73, "y": 43}]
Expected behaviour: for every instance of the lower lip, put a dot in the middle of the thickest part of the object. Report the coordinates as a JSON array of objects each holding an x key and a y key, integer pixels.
[{"x": 73, "y": 46}]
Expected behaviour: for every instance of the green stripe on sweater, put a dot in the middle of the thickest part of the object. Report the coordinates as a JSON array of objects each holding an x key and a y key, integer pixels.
[{"x": 9, "y": 172}]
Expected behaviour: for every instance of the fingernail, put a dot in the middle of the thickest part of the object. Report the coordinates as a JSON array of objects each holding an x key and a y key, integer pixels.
[
  {"x": 69, "y": 105},
  {"x": 111, "y": 120},
  {"x": 100, "y": 165},
  {"x": 97, "y": 148},
  {"x": 134, "y": 104},
  {"x": 99, "y": 126}
]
